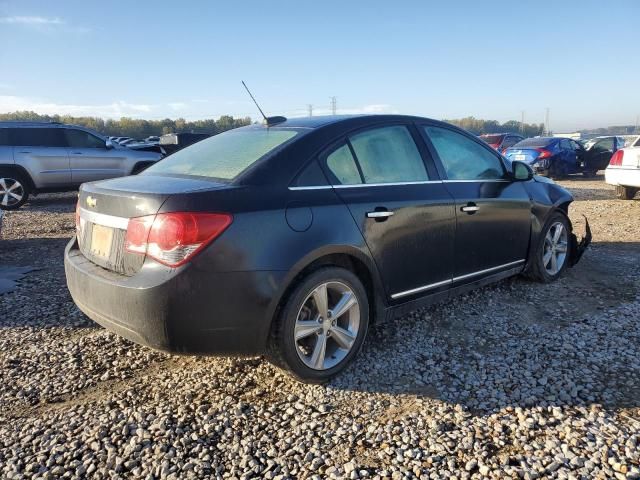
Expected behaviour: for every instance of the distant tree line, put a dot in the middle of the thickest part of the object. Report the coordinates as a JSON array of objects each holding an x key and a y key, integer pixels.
[
  {"x": 613, "y": 130},
  {"x": 479, "y": 126},
  {"x": 136, "y": 128}
]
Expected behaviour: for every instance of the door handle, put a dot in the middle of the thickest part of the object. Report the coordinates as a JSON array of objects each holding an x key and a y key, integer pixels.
[
  {"x": 380, "y": 215},
  {"x": 470, "y": 208}
]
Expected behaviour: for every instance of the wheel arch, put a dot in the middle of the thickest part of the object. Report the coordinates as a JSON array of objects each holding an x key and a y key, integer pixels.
[
  {"x": 22, "y": 171},
  {"x": 345, "y": 256}
]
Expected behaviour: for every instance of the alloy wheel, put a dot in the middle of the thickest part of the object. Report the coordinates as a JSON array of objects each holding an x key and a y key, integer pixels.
[
  {"x": 554, "y": 253},
  {"x": 327, "y": 325},
  {"x": 11, "y": 192}
]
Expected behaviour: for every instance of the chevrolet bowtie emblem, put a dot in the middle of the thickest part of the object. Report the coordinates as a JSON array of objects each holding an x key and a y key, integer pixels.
[{"x": 91, "y": 202}]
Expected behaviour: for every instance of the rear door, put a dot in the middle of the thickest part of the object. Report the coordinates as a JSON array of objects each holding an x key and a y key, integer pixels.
[
  {"x": 43, "y": 153},
  {"x": 493, "y": 213},
  {"x": 90, "y": 159},
  {"x": 399, "y": 204}
]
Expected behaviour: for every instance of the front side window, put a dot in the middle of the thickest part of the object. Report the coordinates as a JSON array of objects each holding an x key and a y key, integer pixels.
[
  {"x": 463, "y": 158},
  {"x": 38, "y": 137},
  {"x": 343, "y": 167},
  {"x": 82, "y": 139},
  {"x": 388, "y": 155},
  {"x": 223, "y": 156},
  {"x": 605, "y": 145}
]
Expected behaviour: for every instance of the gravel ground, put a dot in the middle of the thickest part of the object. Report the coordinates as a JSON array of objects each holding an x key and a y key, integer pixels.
[{"x": 516, "y": 380}]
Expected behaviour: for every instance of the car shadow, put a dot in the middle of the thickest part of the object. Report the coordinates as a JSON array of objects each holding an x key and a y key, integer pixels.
[
  {"x": 51, "y": 202},
  {"x": 518, "y": 343}
]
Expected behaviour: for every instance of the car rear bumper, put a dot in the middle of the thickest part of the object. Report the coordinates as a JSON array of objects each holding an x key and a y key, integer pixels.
[
  {"x": 623, "y": 176},
  {"x": 185, "y": 310}
]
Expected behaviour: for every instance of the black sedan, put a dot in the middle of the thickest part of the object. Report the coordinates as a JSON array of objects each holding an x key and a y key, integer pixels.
[{"x": 289, "y": 239}]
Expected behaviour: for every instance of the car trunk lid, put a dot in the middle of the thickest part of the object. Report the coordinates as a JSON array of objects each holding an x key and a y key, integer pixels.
[{"x": 105, "y": 208}]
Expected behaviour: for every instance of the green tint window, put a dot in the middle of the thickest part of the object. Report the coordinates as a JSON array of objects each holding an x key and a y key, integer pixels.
[
  {"x": 223, "y": 156},
  {"x": 343, "y": 166}
]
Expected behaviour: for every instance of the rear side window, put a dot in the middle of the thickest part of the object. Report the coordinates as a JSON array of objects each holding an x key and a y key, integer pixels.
[
  {"x": 343, "y": 167},
  {"x": 223, "y": 156},
  {"x": 463, "y": 158},
  {"x": 38, "y": 137},
  {"x": 388, "y": 155},
  {"x": 82, "y": 139}
]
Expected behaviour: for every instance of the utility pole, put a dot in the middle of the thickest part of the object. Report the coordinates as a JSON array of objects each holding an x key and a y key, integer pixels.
[
  {"x": 333, "y": 106},
  {"x": 310, "y": 108},
  {"x": 546, "y": 123},
  {"x": 522, "y": 122}
]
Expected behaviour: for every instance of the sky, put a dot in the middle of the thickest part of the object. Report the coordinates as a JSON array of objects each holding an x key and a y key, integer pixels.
[{"x": 440, "y": 59}]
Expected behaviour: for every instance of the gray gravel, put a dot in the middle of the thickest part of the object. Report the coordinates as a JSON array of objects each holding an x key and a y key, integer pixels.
[{"x": 517, "y": 380}]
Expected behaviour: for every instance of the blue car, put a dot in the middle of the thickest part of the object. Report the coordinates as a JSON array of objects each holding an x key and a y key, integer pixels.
[{"x": 550, "y": 156}]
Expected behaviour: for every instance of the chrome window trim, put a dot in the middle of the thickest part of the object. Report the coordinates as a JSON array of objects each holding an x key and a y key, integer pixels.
[
  {"x": 478, "y": 181},
  {"x": 103, "y": 219},
  {"x": 360, "y": 185},
  {"x": 453, "y": 280},
  {"x": 315, "y": 187}
]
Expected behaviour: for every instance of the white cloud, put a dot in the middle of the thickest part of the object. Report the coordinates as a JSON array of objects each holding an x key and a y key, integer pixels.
[
  {"x": 43, "y": 24},
  {"x": 117, "y": 109},
  {"x": 177, "y": 105},
  {"x": 32, "y": 20}
]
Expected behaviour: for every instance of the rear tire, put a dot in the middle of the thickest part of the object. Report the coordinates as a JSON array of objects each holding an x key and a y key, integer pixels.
[
  {"x": 313, "y": 346},
  {"x": 14, "y": 189},
  {"x": 553, "y": 251},
  {"x": 625, "y": 193}
]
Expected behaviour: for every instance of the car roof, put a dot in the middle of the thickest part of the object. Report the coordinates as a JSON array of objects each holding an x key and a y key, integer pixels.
[{"x": 325, "y": 120}]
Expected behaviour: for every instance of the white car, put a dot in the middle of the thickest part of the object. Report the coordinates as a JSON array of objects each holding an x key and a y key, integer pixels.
[{"x": 624, "y": 171}]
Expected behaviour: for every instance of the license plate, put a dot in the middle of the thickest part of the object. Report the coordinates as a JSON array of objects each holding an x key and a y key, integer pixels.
[
  {"x": 101, "y": 238},
  {"x": 519, "y": 157}
]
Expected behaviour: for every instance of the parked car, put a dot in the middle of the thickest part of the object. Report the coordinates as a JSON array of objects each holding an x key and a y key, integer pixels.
[
  {"x": 291, "y": 239},
  {"x": 624, "y": 171},
  {"x": 48, "y": 157},
  {"x": 172, "y": 142},
  {"x": 549, "y": 156},
  {"x": 501, "y": 141},
  {"x": 599, "y": 151}
]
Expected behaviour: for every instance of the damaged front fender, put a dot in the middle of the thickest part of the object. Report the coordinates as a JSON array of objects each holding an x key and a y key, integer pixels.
[{"x": 578, "y": 248}]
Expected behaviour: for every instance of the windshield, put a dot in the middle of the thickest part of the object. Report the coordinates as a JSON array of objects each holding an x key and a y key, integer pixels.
[
  {"x": 223, "y": 156},
  {"x": 491, "y": 139},
  {"x": 534, "y": 142}
]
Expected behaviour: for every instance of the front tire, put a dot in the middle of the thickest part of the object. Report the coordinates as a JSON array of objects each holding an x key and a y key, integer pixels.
[
  {"x": 551, "y": 256},
  {"x": 625, "y": 193},
  {"x": 322, "y": 325},
  {"x": 14, "y": 190}
]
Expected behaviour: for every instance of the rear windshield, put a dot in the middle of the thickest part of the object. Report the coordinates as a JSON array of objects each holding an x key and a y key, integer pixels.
[
  {"x": 535, "y": 142},
  {"x": 223, "y": 156},
  {"x": 491, "y": 139}
]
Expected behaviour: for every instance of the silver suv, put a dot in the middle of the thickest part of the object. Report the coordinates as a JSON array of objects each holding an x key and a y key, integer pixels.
[{"x": 52, "y": 157}]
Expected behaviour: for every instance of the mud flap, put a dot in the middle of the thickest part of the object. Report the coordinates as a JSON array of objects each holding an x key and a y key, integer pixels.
[{"x": 577, "y": 249}]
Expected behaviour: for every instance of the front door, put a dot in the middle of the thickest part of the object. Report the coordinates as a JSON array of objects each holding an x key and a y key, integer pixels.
[
  {"x": 493, "y": 213},
  {"x": 42, "y": 152},
  {"x": 403, "y": 210}
]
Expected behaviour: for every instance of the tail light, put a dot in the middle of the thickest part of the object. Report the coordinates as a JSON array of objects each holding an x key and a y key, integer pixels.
[
  {"x": 542, "y": 153},
  {"x": 616, "y": 160},
  {"x": 174, "y": 238}
]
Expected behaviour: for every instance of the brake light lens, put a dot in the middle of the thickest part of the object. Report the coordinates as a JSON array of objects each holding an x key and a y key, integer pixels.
[
  {"x": 542, "y": 153},
  {"x": 617, "y": 157},
  {"x": 174, "y": 238}
]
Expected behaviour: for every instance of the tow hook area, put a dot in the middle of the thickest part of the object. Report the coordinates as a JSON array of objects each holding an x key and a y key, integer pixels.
[{"x": 577, "y": 249}]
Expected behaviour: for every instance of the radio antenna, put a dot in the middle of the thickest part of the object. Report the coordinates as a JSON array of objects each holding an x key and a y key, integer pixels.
[
  {"x": 269, "y": 121},
  {"x": 254, "y": 101}
]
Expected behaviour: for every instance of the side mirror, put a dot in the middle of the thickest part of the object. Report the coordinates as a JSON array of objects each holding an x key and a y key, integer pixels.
[
  {"x": 108, "y": 144},
  {"x": 521, "y": 171}
]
